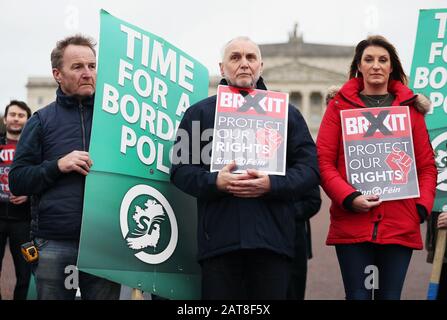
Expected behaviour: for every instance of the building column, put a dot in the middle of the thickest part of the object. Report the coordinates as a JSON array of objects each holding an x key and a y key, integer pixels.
[{"x": 306, "y": 105}]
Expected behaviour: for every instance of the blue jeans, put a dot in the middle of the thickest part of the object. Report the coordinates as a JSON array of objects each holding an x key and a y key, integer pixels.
[
  {"x": 51, "y": 277},
  {"x": 391, "y": 261}
]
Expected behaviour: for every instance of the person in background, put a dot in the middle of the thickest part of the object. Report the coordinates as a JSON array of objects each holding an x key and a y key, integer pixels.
[
  {"x": 15, "y": 216},
  {"x": 305, "y": 209},
  {"x": 436, "y": 221}
]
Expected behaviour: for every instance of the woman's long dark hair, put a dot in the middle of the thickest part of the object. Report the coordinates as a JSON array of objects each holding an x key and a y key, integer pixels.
[{"x": 378, "y": 41}]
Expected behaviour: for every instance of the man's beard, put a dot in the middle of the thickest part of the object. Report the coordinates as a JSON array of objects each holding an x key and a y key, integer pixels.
[{"x": 14, "y": 131}]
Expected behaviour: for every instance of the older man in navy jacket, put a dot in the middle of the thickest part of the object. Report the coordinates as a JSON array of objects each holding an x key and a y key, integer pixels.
[{"x": 246, "y": 222}]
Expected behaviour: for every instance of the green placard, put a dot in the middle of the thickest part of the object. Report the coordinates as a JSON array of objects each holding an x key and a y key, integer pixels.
[
  {"x": 137, "y": 228},
  {"x": 429, "y": 77},
  {"x": 429, "y": 66}
]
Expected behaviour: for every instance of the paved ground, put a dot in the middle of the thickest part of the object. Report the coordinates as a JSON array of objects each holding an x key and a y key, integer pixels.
[{"x": 324, "y": 279}]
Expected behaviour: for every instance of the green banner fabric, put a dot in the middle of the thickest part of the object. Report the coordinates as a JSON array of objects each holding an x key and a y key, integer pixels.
[
  {"x": 137, "y": 228},
  {"x": 429, "y": 77}
]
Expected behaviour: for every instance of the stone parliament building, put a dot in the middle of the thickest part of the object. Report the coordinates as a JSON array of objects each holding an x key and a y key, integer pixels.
[{"x": 304, "y": 70}]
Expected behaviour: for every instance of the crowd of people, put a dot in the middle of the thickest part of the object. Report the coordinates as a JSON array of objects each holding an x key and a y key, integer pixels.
[{"x": 253, "y": 233}]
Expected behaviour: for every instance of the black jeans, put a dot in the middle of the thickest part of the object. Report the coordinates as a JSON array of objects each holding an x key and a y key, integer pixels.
[
  {"x": 245, "y": 275},
  {"x": 18, "y": 232},
  {"x": 357, "y": 262}
]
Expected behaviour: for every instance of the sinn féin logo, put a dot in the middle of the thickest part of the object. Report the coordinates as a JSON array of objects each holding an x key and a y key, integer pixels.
[
  {"x": 148, "y": 224},
  {"x": 439, "y": 145}
]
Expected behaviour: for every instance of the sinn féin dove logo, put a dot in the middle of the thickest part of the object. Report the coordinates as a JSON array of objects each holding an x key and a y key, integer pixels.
[
  {"x": 439, "y": 145},
  {"x": 152, "y": 229}
]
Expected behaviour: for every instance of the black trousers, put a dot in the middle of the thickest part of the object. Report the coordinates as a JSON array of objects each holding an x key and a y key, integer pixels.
[
  {"x": 298, "y": 275},
  {"x": 18, "y": 232},
  {"x": 246, "y": 275}
]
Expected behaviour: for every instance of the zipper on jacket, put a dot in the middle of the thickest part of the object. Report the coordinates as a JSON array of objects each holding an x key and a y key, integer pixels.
[
  {"x": 376, "y": 225},
  {"x": 403, "y": 103},
  {"x": 81, "y": 110}
]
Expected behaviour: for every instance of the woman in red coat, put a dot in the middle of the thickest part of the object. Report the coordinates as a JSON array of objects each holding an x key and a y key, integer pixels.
[{"x": 371, "y": 235}]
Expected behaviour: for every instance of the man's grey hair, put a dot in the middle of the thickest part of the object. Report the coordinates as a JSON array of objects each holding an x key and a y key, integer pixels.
[
  {"x": 242, "y": 38},
  {"x": 78, "y": 40}
]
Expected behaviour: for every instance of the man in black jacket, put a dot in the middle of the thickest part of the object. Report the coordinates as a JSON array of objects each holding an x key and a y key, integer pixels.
[
  {"x": 51, "y": 163},
  {"x": 305, "y": 209},
  {"x": 246, "y": 222},
  {"x": 14, "y": 210}
]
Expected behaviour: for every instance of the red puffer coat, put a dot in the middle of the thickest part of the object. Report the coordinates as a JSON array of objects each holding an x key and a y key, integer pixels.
[{"x": 392, "y": 222}]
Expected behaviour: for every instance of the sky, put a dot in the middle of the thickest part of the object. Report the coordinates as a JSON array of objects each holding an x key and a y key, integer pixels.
[{"x": 30, "y": 29}]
